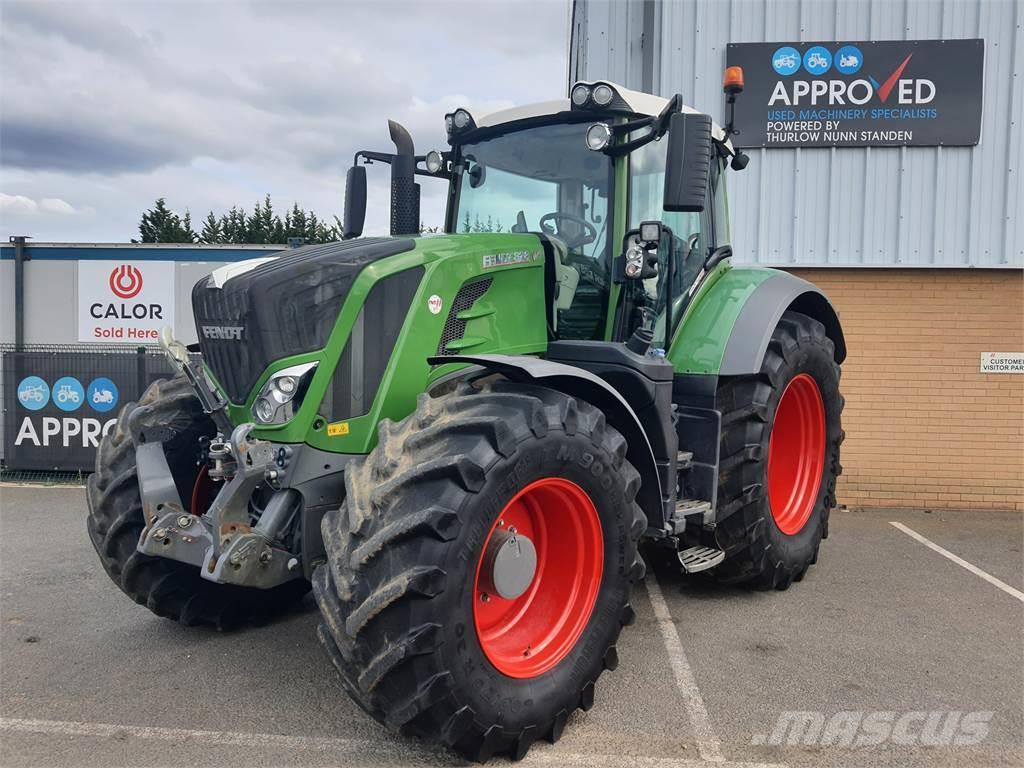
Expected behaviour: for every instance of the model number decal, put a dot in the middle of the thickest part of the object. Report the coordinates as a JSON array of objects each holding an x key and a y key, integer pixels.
[{"x": 491, "y": 260}]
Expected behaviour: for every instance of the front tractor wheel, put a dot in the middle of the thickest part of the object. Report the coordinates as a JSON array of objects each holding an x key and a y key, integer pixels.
[
  {"x": 781, "y": 433},
  {"x": 479, "y": 572}
]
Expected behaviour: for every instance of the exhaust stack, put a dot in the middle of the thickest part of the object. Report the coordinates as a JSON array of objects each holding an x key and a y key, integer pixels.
[{"x": 405, "y": 192}]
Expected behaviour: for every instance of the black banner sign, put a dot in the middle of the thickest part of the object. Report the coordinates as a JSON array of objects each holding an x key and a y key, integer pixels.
[
  {"x": 57, "y": 405},
  {"x": 859, "y": 94}
]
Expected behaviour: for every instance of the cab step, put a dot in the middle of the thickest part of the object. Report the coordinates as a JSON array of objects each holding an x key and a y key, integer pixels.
[
  {"x": 683, "y": 460},
  {"x": 688, "y": 508},
  {"x": 696, "y": 559}
]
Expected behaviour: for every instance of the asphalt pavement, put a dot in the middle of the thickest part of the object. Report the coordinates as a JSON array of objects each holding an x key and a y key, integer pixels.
[{"x": 884, "y": 629}]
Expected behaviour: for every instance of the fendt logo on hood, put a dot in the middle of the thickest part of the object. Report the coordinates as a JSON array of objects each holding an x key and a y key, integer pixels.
[
  {"x": 125, "y": 281},
  {"x": 848, "y": 60},
  {"x": 223, "y": 332}
]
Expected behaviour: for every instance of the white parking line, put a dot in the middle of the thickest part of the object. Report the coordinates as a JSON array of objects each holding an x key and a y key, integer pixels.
[
  {"x": 363, "y": 748},
  {"x": 960, "y": 561},
  {"x": 708, "y": 746}
]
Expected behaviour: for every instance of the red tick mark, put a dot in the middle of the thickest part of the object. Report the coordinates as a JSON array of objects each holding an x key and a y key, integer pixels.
[{"x": 887, "y": 86}]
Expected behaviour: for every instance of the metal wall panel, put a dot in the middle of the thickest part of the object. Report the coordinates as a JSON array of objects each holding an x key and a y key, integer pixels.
[
  {"x": 51, "y": 283},
  {"x": 871, "y": 206}
]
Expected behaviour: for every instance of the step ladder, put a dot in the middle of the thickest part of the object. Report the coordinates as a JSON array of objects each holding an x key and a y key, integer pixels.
[
  {"x": 689, "y": 508},
  {"x": 683, "y": 460},
  {"x": 696, "y": 559}
]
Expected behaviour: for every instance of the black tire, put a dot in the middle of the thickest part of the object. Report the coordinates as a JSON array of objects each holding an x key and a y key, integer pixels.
[
  {"x": 396, "y": 597},
  {"x": 757, "y": 551},
  {"x": 168, "y": 588}
]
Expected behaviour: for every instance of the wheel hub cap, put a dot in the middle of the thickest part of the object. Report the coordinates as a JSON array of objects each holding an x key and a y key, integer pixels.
[{"x": 510, "y": 563}]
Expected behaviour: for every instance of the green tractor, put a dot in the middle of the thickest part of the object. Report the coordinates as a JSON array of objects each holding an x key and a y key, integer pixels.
[{"x": 459, "y": 441}]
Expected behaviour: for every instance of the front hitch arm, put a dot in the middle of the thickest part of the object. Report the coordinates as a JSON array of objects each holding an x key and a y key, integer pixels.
[{"x": 222, "y": 543}]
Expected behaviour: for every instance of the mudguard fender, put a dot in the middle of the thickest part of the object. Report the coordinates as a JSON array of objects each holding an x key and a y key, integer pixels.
[
  {"x": 761, "y": 313},
  {"x": 590, "y": 387}
]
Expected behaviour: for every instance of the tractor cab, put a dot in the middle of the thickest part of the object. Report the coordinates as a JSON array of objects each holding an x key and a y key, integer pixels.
[{"x": 583, "y": 173}]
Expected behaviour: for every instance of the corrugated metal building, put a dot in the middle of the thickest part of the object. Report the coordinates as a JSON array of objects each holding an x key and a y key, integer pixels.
[{"x": 924, "y": 244}]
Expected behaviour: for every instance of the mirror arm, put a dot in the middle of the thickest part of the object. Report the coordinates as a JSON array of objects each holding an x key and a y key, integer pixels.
[
  {"x": 720, "y": 253},
  {"x": 658, "y": 126},
  {"x": 675, "y": 104},
  {"x": 370, "y": 157}
]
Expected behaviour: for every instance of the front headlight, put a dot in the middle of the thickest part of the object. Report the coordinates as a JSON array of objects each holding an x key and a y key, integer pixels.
[{"x": 281, "y": 396}]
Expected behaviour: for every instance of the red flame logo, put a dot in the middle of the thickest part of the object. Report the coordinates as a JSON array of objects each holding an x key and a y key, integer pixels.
[{"x": 126, "y": 281}]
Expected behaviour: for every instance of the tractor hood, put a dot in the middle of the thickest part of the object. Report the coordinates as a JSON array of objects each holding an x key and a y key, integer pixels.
[{"x": 248, "y": 318}]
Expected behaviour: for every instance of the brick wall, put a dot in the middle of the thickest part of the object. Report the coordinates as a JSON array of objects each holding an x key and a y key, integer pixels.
[{"x": 924, "y": 428}]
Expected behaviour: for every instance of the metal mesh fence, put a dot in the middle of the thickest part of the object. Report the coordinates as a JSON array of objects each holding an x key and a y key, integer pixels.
[{"x": 57, "y": 399}]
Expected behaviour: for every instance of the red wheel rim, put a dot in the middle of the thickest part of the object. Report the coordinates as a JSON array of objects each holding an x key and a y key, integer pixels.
[
  {"x": 203, "y": 492},
  {"x": 526, "y": 636},
  {"x": 796, "y": 454}
]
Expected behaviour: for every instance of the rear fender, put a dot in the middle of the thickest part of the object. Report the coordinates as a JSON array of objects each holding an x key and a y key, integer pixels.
[
  {"x": 761, "y": 313},
  {"x": 591, "y": 388},
  {"x": 726, "y": 329}
]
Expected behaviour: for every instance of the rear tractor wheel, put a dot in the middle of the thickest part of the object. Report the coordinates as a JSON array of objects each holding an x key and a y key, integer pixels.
[
  {"x": 781, "y": 432},
  {"x": 479, "y": 572}
]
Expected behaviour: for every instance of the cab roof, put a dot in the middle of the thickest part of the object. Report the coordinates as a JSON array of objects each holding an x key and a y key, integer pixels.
[{"x": 627, "y": 101}]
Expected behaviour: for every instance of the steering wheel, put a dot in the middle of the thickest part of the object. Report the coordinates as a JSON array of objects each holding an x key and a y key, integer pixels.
[{"x": 589, "y": 230}]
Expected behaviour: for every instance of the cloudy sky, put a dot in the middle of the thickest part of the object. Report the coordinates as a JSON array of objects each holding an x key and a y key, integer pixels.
[{"x": 105, "y": 106}]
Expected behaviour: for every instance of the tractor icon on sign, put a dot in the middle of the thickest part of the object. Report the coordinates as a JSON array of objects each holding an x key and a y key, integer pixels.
[
  {"x": 101, "y": 396},
  {"x": 36, "y": 394},
  {"x": 67, "y": 393},
  {"x": 785, "y": 61},
  {"x": 817, "y": 61}
]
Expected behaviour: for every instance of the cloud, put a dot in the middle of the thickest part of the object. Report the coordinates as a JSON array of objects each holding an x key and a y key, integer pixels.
[
  {"x": 22, "y": 205},
  {"x": 214, "y": 104},
  {"x": 56, "y": 205},
  {"x": 17, "y": 204}
]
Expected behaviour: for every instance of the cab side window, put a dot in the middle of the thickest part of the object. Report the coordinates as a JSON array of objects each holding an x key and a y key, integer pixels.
[
  {"x": 693, "y": 233},
  {"x": 720, "y": 202}
]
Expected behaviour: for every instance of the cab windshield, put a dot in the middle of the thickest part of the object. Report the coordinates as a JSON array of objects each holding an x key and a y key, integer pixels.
[{"x": 544, "y": 179}]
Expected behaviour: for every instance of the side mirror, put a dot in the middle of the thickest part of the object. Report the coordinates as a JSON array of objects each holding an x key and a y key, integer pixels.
[
  {"x": 687, "y": 162},
  {"x": 477, "y": 175},
  {"x": 355, "y": 201}
]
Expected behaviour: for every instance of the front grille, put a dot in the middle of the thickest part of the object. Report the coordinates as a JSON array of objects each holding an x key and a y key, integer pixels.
[
  {"x": 454, "y": 328},
  {"x": 370, "y": 345},
  {"x": 230, "y": 361}
]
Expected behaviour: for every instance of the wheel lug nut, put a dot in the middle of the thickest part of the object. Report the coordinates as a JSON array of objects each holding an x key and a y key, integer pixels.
[{"x": 485, "y": 598}]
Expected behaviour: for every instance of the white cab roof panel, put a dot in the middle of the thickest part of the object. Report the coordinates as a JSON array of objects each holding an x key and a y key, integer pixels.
[{"x": 640, "y": 103}]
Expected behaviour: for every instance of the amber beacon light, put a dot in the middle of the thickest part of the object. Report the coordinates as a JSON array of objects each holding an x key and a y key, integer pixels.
[{"x": 732, "y": 81}]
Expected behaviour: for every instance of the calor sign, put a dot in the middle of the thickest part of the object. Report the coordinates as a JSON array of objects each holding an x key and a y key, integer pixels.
[{"x": 125, "y": 301}]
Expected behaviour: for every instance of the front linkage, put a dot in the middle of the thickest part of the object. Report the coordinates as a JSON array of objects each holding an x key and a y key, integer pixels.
[{"x": 223, "y": 542}]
